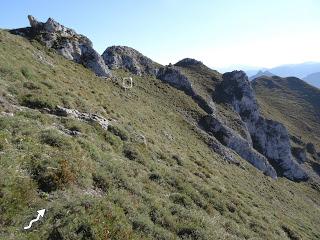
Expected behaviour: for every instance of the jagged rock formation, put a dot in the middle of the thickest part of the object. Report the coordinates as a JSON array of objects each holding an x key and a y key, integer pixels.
[
  {"x": 269, "y": 137},
  {"x": 122, "y": 57},
  {"x": 173, "y": 76},
  {"x": 262, "y": 142},
  {"x": 233, "y": 140},
  {"x": 67, "y": 42}
]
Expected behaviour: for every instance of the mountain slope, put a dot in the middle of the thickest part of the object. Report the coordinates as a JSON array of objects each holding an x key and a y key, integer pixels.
[
  {"x": 297, "y": 105},
  {"x": 151, "y": 175},
  {"x": 292, "y": 102},
  {"x": 260, "y": 74},
  {"x": 313, "y": 79}
]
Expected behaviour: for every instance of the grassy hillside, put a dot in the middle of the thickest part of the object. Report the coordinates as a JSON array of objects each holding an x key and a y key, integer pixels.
[
  {"x": 150, "y": 176},
  {"x": 292, "y": 102}
]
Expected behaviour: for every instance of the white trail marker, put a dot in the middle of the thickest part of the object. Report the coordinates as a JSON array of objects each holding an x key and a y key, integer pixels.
[{"x": 40, "y": 214}]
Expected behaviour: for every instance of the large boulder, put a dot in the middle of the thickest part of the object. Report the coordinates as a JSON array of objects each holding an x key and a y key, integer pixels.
[
  {"x": 269, "y": 137},
  {"x": 67, "y": 42},
  {"x": 122, "y": 57}
]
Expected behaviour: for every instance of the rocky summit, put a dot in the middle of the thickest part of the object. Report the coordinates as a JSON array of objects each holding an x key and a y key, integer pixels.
[
  {"x": 188, "y": 62},
  {"x": 184, "y": 153},
  {"x": 122, "y": 57},
  {"x": 67, "y": 42}
]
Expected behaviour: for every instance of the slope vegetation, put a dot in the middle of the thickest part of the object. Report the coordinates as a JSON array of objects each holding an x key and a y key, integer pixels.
[
  {"x": 151, "y": 175},
  {"x": 292, "y": 102}
]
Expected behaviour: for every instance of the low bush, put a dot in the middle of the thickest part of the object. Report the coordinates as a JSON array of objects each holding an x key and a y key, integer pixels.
[
  {"x": 27, "y": 72},
  {"x": 120, "y": 132},
  {"x": 50, "y": 179},
  {"x": 100, "y": 182},
  {"x": 37, "y": 101},
  {"x": 53, "y": 138}
]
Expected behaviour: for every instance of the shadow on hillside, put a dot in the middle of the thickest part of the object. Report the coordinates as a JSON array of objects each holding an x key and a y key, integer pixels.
[{"x": 316, "y": 167}]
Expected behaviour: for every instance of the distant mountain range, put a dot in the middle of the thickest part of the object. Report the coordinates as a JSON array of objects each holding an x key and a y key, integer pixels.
[
  {"x": 261, "y": 73},
  {"x": 313, "y": 79},
  {"x": 309, "y": 72}
]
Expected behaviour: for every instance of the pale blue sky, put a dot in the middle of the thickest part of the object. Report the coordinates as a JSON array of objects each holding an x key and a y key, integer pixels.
[{"x": 218, "y": 32}]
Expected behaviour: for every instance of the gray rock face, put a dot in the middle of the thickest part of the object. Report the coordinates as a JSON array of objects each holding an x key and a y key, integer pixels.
[
  {"x": 233, "y": 140},
  {"x": 299, "y": 154},
  {"x": 175, "y": 78},
  {"x": 311, "y": 148},
  {"x": 121, "y": 57},
  {"x": 68, "y": 43},
  {"x": 269, "y": 137}
]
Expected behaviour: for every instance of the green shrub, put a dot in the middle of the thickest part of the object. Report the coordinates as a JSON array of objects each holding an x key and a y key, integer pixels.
[
  {"x": 47, "y": 84},
  {"x": 220, "y": 207},
  {"x": 120, "y": 132},
  {"x": 100, "y": 182},
  {"x": 50, "y": 179},
  {"x": 53, "y": 138},
  {"x": 181, "y": 199},
  {"x": 178, "y": 159},
  {"x": 31, "y": 86},
  {"x": 132, "y": 153},
  {"x": 27, "y": 72},
  {"x": 191, "y": 233},
  {"x": 113, "y": 140},
  {"x": 155, "y": 177},
  {"x": 142, "y": 224},
  {"x": 37, "y": 101},
  {"x": 291, "y": 234},
  {"x": 72, "y": 124}
]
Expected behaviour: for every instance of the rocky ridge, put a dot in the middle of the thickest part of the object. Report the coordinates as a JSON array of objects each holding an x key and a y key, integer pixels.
[
  {"x": 174, "y": 77},
  {"x": 265, "y": 143},
  {"x": 67, "y": 42},
  {"x": 122, "y": 57},
  {"x": 269, "y": 137}
]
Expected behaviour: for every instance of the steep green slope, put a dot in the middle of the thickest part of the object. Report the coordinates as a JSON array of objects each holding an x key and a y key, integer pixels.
[
  {"x": 150, "y": 176},
  {"x": 292, "y": 102}
]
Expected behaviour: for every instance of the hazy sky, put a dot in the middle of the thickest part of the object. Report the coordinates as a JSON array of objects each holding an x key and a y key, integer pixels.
[{"x": 219, "y": 33}]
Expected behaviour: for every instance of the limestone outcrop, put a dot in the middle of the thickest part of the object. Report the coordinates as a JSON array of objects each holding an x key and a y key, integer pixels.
[
  {"x": 241, "y": 146},
  {"x": 174, "y": 77},
  {"x": 67, "y": 42},
  {"x": 122, "y": 57},
  {"x": 269, "y": 137}
]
